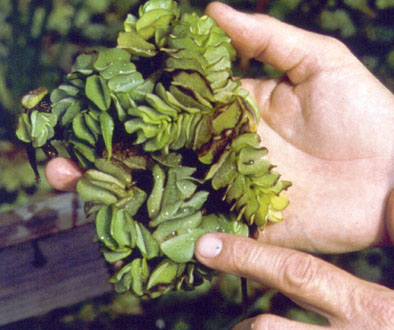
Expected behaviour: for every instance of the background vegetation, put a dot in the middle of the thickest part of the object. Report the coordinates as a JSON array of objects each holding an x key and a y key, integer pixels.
[{"x": 39, "y": 40}]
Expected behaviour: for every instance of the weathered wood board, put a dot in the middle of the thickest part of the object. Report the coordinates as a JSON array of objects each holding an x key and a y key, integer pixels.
[
  {"x": 48, "y": 259},
  {"x": 58, "y": 213}
]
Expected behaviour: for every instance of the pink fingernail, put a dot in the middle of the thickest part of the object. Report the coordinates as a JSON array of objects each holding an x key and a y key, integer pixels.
[{"x": 209, "y": 246}]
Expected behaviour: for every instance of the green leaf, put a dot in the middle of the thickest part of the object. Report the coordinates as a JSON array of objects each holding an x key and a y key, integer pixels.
[
  {"x": 250, "y": 161},
  {"x": 122, "y": 279},
  {"x": 249, "y": 139},
  {"x": 218, "y": 79},
  {"x": 112, "y": 56},
  {"x": 135, "y": 44},
  {"x": 42, "y": 127},
  {"x": 67, "y": 109},
  {"x": 114, "y": 256},
  {"x": 186, "y": 188},
  {"x": 226, "y": 173},
  {"x": 97, "y": 91},
  {"x": 188, "y": 102},
  {"x": 132, "y": 203},
  {"x": 155, "y": 198},
  {"x": 203, "y": 132},
  {"x": 164, "y": 273},
  {"x": 121, "y": 228},
  {"x": 33, "y": 98},
  {"x": 82, "y": 131},
  {"x": 145, "y": 242},
  {"x": 174, "y": 63},
  {"x": 107, "y": 128},
  {"x": 118, "y": 68},
  {"x": 236, "y": 189},
  {"x": 226, "y": 118},
  {"x": 161, "y": 106},
  {"x": 103, "y": 226},
  {"x": 193, "y": 82},
  {"x": 171, "y": 228},
  {"x": 181, "y": 248},
  {"x": 125, "y": 83},
  {"x": 196, "y": 201},
  {"x": 267, "y": 180},
  {"x": 129, "y": 23},
  {"x": 24, "y": 128},
  {"x": 159, "y": 4},
  {"x": 90, "y": 192},
  {"x": 280, "y": 202},
  {"x": 261, "y": 214},
  {"x": 83, "y": 149},
  {"x": 150, "y": 21},
  {"x": 168, "y": 211},
  {"x": 95, "y": 175},
  {"x": 118, "y": 191},
  {"x": 114, "y": 168},
  {"x": 139, "y": 273},
  {"x": 224, "y": 223},
  {"x": 84, "y": 64}
]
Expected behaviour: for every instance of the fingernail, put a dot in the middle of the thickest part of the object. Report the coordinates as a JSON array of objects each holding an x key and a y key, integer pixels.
[{"x": 209, "y": 246}]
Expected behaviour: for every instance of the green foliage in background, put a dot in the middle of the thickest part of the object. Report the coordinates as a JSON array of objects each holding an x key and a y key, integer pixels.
[
  {"x": 40, "y": 38},
  {"x": 17, "y": 188}
]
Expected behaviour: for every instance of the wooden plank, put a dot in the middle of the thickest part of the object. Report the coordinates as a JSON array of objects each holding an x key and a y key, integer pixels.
[
  {"x": 55, "y": 271},
  {"x": 48, "y": 258},
  {"x": 55, "y": 214}
]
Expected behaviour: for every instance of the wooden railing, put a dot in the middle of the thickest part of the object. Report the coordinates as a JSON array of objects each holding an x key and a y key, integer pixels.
[{"x": 48, "y": 258}]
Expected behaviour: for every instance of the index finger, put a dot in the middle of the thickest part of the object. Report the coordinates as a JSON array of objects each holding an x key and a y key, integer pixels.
[
  {"x": 295, "y": 51},
  {"x": 309, "y": 281}
]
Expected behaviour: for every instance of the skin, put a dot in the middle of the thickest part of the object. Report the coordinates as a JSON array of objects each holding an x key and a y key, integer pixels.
[
  {"x": 328, "y": 126},
  {"x": 328, "y": 123},
  {"x": 347, "y": 302},
  {"x": 63, "y": 174}
]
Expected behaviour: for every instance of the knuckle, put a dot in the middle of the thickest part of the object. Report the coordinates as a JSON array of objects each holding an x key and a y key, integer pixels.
[
  {"x": 336, "y": 50},
  {"x": 244, "y": 257},
  {"x": 300, "y": 273},
  {"x": 335, "y": 43}
]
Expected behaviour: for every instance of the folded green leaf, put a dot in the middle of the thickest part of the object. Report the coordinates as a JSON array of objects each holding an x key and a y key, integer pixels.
[
  {"x": 97, "y": 91},
  {"x": 107, "y": 128}
]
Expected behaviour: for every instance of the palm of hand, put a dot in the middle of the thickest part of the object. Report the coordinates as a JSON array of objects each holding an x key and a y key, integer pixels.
[{"x": 328, "y": 134}]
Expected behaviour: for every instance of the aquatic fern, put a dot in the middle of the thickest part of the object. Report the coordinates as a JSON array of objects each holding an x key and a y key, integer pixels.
[{"x": 169, "y": 143}]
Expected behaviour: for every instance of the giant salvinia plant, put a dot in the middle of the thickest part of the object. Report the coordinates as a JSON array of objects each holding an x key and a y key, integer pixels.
[{"x": 162, "y": 130}]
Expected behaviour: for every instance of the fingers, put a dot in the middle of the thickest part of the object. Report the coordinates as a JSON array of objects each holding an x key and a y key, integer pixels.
[
  {"x": 273, "y": 322},
  {"x": 63, "y": 174},
  {"x": 298, "y": 52},
  {"x": 310, "y": 282}
]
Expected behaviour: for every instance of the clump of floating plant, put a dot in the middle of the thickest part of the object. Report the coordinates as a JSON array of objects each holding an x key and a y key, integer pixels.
[{"x": 168, "y": 140}]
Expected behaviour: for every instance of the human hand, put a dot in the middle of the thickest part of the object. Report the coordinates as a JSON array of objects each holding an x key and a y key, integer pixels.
[
  {"x": 328, "y": 125},
  {"x": 346, "y": 301}
]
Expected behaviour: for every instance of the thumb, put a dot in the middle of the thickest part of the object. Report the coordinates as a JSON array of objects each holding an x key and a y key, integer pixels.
[
  {"x": 390, "y": 217},
  {"x": 295, "y": 51}
]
